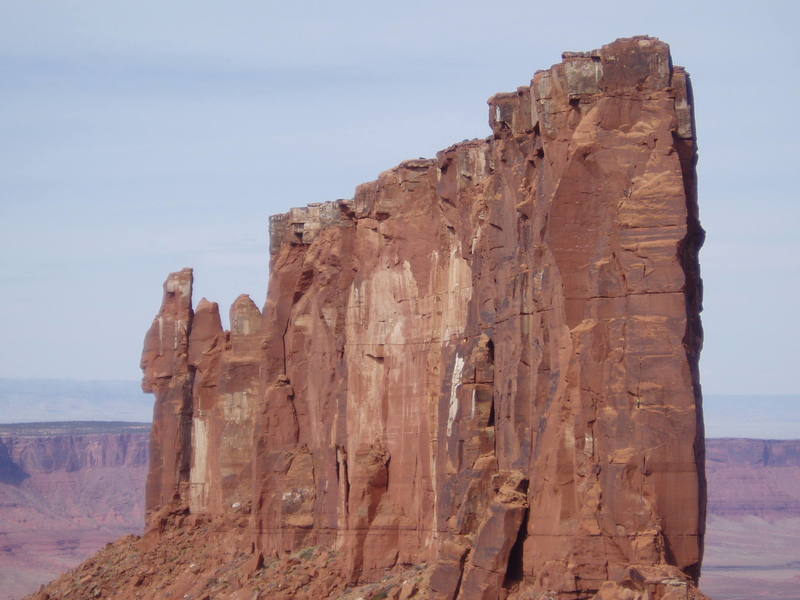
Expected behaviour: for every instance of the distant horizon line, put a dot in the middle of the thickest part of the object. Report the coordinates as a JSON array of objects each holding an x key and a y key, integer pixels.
[
  {"x": 137, "y": 381},
  {"x": 90, "y": 422}
]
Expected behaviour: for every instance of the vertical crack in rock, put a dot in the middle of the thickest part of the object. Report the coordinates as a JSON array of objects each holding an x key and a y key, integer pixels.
[
  {"x": 514, "y": 571},
  {"x": 685, "y": 144}
]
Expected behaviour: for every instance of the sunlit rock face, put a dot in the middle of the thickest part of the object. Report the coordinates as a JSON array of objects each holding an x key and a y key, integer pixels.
[{"x": 484, "y": 362}]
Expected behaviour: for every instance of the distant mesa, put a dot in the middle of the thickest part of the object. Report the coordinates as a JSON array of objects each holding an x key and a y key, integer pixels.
[{"x": 66, "y": 490}]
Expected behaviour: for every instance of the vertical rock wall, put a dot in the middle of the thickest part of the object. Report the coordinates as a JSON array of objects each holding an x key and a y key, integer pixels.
[
  {"x": 168, "y": 375},
  {"x": 486, "y": 361}
]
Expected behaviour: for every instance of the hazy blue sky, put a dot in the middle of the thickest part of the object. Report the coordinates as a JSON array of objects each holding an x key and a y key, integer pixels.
[{"x": 137, "y": 138}]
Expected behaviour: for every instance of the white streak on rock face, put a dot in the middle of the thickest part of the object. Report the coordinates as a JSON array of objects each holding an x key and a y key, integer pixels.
[
  {"x": 588, "y": 444},
  {"x": 177, "y": 334},
  {"x": 178, "y": 285},
  {"x": 160, "y": 335},
  {"x": 381, "y": 310},
  {"x": 455, "y": 382},
  {"x": 472, "y": 416},
  {"x": 236, "y": 407},
  {"x": 456, "y": 297},
  {"x": 199, "y": 472}
]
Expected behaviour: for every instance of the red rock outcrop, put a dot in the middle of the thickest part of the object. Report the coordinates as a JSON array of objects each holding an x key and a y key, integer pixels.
[{"x": 484, "y": 363}]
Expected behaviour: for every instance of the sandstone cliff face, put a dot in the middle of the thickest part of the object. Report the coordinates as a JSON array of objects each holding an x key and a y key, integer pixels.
[
  {"x": 63, "y": 495},
  {"x": 485, "y": 362}
]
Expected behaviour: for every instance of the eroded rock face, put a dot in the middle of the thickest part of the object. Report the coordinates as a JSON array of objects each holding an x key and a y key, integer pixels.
[{"x": 485, "y": 362}]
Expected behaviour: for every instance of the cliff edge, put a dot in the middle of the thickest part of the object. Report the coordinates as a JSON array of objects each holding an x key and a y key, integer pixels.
[{"x": 475, "y": 379}]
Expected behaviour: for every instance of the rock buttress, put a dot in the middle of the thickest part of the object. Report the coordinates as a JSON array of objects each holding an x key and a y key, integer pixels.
[
  {"x": 168, "y": 375},
  {"x": 484, "y": 362}
]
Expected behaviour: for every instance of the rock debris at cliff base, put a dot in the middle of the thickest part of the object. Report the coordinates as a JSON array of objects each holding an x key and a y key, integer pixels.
[{"x": 479, "y": 374}]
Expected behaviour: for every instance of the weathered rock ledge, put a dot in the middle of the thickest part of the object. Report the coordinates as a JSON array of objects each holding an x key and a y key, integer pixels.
[{"x": 483, "y": 365}]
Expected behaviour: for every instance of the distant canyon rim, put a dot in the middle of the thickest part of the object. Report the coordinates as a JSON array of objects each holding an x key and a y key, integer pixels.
[{"x": 753, "y": 507}]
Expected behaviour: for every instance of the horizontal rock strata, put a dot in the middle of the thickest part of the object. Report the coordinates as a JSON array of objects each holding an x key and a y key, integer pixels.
[
  {"x": 754, "y": 478},
  {"x": 64, "y": 494}
]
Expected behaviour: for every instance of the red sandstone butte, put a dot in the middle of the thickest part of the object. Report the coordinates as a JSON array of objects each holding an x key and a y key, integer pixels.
[{"x": 483, "y": 365}]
